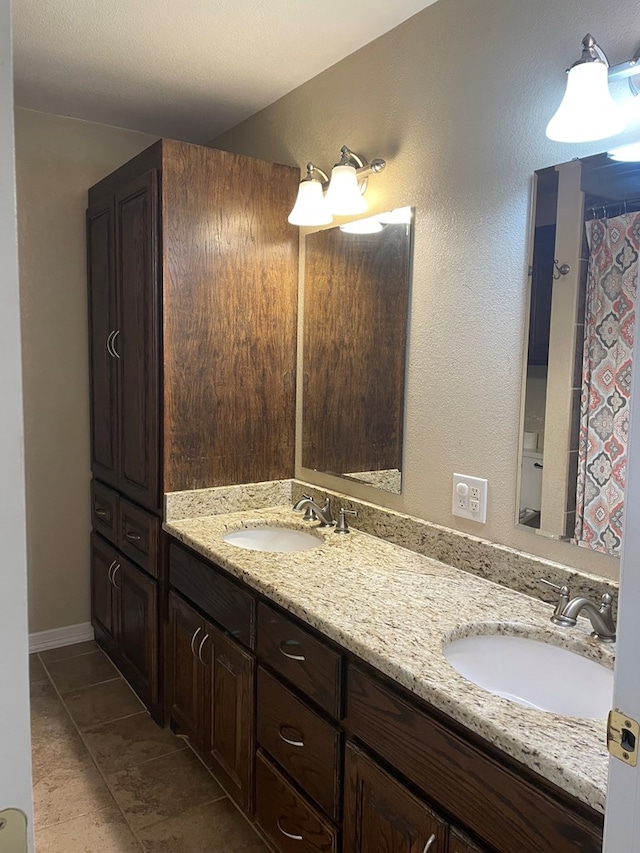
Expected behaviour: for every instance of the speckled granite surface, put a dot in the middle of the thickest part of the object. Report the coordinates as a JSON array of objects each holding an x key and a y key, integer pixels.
[
  {"x": 224, "y": 499},
  {"x": 396, "y": 609}
]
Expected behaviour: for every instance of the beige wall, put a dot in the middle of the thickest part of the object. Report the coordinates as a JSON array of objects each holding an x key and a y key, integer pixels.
[
  {"x": 57, "y": 159},
  {"x": 456, "y": 99}
]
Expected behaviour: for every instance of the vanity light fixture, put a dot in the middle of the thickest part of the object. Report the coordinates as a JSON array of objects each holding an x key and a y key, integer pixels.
[
  {"x": 311, "y": 206},
  {"x": 626, "y": 153},
  {"x": 588, "y": 112},
  {"x": 370, "y": 225},
  {"x": 345, "y": 192}
]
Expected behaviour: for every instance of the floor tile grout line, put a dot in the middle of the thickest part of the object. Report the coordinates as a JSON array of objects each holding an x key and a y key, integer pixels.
[
  {"x": 224, "y": 796},
  {"x": 87, "y": 686},
  {"x": 40, "y": 828},
  {"x": 71, "y": 657}
]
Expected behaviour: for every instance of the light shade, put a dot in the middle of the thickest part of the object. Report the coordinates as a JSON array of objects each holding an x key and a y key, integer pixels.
[
  {"x": 626, "y": 153},
  {"x": 311, "y": 206},
  {"x": 370, "y": 225},
  {"x": 343, "y": 196},
  {"x": 587, "y": 111}
]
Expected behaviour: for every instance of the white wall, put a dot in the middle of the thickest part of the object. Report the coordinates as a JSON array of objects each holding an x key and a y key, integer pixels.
[
  {"x": 57, "y": 160},
  {"x": 15, "y": 761},
  {"x": 457, "y": 100}
]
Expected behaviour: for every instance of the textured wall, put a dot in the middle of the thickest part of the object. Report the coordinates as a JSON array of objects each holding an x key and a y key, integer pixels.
[
  {"x": 57, "y": 159},
  {"x": 456, "y": 99}
]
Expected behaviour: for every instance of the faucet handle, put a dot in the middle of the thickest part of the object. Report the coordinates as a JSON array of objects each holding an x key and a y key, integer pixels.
[
  {"x": 342, "y": 526},
  {"x": 563, "y": 598}
]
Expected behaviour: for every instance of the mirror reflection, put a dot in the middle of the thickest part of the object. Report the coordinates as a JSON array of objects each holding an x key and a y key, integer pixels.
[
  {"x": 356, "y": 298},
  {"x": 584, "y": 274}
]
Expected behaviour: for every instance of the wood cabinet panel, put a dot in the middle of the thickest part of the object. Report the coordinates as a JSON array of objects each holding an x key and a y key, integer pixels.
[
  {"x": 381, "y": 814},
  {"x": 305, "y": 661},
  {"x": 230, "y": 280},
  {"x": 138, "y": 536},
  {"x": 137, "y": 343},
  {"x": 305, "y": 745},
  {"x": 459, "y": 843},
  {"x": 231, "y": 741},
  {"x": 104, "y": 600},
  {"x": 229, "y": 604},
  {"x": 461, "y": 779},
  {"x": 185, "y": 673},
  {"x": 105, "y": 511},
  {"x": 288, "y": 820},
  {"x": 138, "y": 630},
  {"x": 102, "y": 324}
]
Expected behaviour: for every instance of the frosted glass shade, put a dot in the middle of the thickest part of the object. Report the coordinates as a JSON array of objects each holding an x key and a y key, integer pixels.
[
  {"x": 370, "y": 225},
  {"x": 343, "y": 196},
  {"x": 626, "y": 153},
  {"x": 311, "y": 206},
  {"x": 587, "y": 112}
]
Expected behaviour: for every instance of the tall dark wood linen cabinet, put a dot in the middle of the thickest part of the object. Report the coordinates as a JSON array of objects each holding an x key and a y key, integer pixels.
[{"x": 192, "y": 271}]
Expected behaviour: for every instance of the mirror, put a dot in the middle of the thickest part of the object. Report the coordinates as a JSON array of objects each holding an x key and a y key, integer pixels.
[
  {"x": 577, "y": 377},
  {"x": 356, "y": 299}
]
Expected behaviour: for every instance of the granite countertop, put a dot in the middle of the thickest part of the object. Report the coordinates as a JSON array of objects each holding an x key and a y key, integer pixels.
[{"x": 396, "y": 610}]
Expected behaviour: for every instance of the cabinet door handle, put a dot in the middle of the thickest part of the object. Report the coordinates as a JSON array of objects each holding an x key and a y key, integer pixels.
[
  {"x": 113, "y": 575},
  {"x": 113, "y": 343},
  {"x": 291, "y": 741},
  {"x": 287, "y": 834},
  {"x": 109, "y": 342},
  {"x": 202, "y": 642},
  {"x": 193, "y": 639},
  {"x": 101, "y": 513},
  {"x": 110, "y": 569},
  {"x": 290, "y": 655},
  {"x": 427, "y": 846},
  {"x": 132, "y": 535}
]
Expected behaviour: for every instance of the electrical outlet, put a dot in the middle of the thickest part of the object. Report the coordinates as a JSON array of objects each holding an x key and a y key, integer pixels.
[{"x": 470, "y": 498}]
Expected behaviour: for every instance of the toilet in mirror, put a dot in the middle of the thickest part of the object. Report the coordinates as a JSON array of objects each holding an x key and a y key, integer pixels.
[{"x": 584, "y": 265}]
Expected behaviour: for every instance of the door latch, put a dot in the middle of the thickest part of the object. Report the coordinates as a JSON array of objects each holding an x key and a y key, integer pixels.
[
  {"x": 623, "y": 734},
  {"x": 13, "y": 831}
]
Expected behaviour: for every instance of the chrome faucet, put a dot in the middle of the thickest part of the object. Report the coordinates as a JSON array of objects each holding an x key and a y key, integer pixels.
[
  {"x": 601, "y": 618},
  {"x": 321, "y": 513}
]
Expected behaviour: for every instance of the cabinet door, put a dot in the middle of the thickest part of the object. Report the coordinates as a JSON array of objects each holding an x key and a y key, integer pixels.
[
  {"x": 137, "y": 343},
  {"x": 104, "y": 596},
  {"x": 185, "y": 672},
  {"x": 230, "y": 713},
  {"x": 102, "y": 327},
  {"x": 381, "y": 814},
  {"x": 138, "y": 632}
]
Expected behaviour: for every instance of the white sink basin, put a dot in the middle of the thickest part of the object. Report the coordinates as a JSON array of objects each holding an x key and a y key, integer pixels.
[
  {"x": 281, "y": 539},
  {"x": 534, "y": 674}
]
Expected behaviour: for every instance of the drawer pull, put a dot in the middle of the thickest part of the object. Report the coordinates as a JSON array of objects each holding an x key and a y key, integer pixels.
[
  {"x": 133, "y": 536},
  {"x": 193, "y": 639},
  {"x": 110, "y": 569},
  {"x": 288, "y": 834},
  {"x": 290, "y": 741},
  {"x": 113, "y": 576},
  {"x": 101, "y": 513},
  {"x": 290, "y": 655},
  {"x": 427, "y": 846}
]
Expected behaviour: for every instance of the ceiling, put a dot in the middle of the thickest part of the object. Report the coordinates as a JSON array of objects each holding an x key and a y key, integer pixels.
[{"x": 189, "y": 69}]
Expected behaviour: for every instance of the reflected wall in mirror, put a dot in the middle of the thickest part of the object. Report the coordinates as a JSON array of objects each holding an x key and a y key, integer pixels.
[
  {"x": 356, "y": 300},
  {"x": 584, "y": 274}
]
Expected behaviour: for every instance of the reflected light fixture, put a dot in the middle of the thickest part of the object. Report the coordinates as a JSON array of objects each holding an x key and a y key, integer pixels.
[
  {"x": 345, "y": 192},
  {"x": 587, "y": 111},
  {"x": 370, "y": 225},
  {"x": 626, "y": 153}
]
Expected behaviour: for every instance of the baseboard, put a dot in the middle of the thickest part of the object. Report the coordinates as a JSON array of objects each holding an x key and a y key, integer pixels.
[{"x": 58, "y": 637}]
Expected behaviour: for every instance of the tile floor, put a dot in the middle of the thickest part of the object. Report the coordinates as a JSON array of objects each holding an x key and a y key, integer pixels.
[{"x": 107, "y": 779}]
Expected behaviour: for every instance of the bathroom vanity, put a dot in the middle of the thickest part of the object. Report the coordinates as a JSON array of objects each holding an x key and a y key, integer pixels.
[{"x": 313, "y": 684}]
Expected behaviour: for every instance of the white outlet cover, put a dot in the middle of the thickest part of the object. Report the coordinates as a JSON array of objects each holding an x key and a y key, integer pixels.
[{"x": 464, "y": 511}]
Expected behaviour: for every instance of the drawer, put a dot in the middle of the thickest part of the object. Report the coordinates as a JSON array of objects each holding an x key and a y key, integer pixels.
[
  {"x": 305, "y": 745},
  {"x": 104, "y": 511},
  {"x": 209, "y": 589},
  {"x": 452, "y": 772},
  {"x": 296, "y": 654},
  {"x": 139, "y": 536},
  {"x": 292, "y": 824},
  {"x": 459, "y": 843}
]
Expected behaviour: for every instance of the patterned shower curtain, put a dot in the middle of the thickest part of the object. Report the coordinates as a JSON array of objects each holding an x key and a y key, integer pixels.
[{"x": 606, "y": 380}]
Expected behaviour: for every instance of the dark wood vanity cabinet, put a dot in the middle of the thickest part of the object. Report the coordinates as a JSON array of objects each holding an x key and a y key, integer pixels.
[
  {"x": 124, "y": 607},
  {"x": 210, "y": 696},
  {"x": 381, "y": 814}
]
